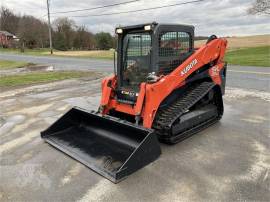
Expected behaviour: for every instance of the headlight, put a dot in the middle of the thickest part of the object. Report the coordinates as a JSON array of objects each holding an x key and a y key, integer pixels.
[
  {"x": 147, "y": 27},
  {"x": 119, "y": 31}
]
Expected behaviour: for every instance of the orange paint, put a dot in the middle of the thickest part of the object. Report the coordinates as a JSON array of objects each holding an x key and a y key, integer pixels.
[{"x": 151, "y": 95}]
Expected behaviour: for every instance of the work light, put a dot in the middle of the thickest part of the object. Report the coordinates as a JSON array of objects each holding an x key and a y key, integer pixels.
[
  {"x": 147, "y": 27},
  {"x": 119, "y": 31}
]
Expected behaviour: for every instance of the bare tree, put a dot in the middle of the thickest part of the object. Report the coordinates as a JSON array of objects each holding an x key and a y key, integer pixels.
[
  {"x": 64, "y": 33},
  {"x": 67, "y": 35},
  {"x": 83, "y": 39},
  {"x": 8, "y": 20},
  {"x": 260, "y": 7},
  {"x": 33, "y": 32}
]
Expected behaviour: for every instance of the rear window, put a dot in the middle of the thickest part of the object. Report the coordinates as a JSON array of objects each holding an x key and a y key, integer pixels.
[
  {"x": 173, "y": 49},
  {"x": 174, "y": 43}
]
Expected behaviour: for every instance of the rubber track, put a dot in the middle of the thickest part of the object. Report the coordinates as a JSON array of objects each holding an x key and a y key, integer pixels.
[{"x": 167, "y": 116}]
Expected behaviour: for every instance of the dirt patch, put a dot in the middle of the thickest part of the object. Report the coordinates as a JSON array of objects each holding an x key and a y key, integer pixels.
[
  {"x": 26, "y": 69},
  {"x": 39, "y": 68}
]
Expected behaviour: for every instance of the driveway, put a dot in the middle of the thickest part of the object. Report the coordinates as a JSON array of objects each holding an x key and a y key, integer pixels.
[{"x": 229, "y": 161}]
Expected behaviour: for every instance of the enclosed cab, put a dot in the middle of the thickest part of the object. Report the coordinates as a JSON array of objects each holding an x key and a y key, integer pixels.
[{"x": 149, "y": 50}]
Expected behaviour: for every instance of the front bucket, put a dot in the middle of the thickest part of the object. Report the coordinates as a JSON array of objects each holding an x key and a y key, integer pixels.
[{"x": 109, "y": 146}]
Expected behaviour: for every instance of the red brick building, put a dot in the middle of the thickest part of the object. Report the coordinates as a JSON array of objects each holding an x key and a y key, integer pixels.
[{"x": 7, "y": 39}]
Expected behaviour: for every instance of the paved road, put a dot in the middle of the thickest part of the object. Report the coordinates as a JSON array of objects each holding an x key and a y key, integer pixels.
[
  {"x": 257, "y": 78},
  {"x": 63, "y": 63},
  {"x": 247, "y": 77}
]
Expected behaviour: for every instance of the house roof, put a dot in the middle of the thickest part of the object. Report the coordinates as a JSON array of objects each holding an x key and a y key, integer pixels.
[{"x": 8, "y": 34}]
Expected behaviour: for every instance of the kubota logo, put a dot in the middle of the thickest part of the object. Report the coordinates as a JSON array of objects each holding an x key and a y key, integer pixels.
[{"x": 189, "y": 67}]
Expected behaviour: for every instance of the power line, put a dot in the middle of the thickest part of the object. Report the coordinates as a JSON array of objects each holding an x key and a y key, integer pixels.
[
  {"x": 138, "y": 10},
  {"x": 95, "y": 8}
]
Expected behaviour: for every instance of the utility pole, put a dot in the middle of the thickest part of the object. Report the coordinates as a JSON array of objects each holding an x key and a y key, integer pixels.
[{"x": 49, "y": 24}]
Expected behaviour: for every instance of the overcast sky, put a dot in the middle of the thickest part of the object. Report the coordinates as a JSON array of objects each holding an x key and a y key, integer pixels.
[{"x": 221, "y": 17}]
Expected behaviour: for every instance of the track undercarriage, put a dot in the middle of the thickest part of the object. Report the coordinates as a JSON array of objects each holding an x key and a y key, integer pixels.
[{"x": 199, "y": 107}]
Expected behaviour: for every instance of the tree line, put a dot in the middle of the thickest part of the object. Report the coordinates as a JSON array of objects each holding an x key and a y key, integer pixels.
[{"x": 33, "y": 33}]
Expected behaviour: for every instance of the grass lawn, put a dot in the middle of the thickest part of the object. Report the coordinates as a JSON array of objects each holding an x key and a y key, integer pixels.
[
  {"x": 256, "y": 56},
  {"x": 7, "y": 64},
  {"x": 42, "y": 51},
  {"x": 40, "y": 77}
]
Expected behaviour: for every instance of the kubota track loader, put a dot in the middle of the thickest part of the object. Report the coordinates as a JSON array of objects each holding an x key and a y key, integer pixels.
[{"x": 162, "y": 89}]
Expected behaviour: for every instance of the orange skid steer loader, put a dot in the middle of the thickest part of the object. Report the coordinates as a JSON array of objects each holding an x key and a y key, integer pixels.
[{"x": 162, "y": 89}]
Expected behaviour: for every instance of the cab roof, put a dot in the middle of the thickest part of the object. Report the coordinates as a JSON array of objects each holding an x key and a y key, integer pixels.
[{"x": 154, "y": 26}]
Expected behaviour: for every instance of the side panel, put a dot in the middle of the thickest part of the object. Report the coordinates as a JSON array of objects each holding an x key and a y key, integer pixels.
[{"x": 157, "y": 92}]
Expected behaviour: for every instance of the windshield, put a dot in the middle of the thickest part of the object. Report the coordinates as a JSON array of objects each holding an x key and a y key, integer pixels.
[{"x": 136, "y": 59}]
